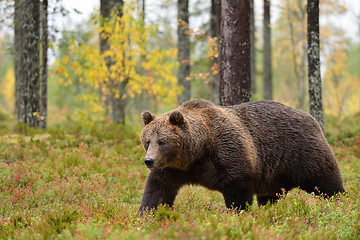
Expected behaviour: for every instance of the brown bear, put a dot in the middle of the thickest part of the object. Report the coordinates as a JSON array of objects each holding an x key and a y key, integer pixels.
[{"x": 252, "y": 148}]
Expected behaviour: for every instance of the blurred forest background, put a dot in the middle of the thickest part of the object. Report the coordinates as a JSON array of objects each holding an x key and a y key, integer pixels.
[{"x": 136, "y": 67}]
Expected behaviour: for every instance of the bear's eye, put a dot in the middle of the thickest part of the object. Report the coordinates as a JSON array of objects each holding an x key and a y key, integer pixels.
[
  {"x": 160, "y": 142},
  {"x": 147, "y": 144}
]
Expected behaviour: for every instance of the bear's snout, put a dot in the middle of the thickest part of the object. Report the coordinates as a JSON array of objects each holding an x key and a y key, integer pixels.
[{"x": 149, "y": 162}]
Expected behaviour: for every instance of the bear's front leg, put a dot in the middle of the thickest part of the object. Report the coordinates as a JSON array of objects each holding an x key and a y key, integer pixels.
[
  {"x": 161, "y": 188},
  {"x": 237, "y": 197}
]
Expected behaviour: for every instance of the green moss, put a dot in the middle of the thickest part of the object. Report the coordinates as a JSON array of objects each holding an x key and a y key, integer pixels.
[{"x": 88, "y": 183}]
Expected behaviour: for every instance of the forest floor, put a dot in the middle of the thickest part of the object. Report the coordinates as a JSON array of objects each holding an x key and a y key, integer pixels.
[{"x": 72, "y": 184}]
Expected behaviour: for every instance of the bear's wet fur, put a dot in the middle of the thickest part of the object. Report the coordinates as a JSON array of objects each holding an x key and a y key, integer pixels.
[{"x": 261, "y": 148}]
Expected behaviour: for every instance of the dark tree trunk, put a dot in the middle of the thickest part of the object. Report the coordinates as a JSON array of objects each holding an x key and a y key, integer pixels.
[
  {"x": 267, "y": 85},
  {"x": 183, "y": 50},
  {"x": 143, "y": 10},
  {"x": 235, "y": 74},
  {"x": 27, "y": 21},
  {"x": 44, "y": 48},
  {"x": 116, "y": 103},
  {"x": 17, "y": 59},
  {"x": 314, "y": 73},
  {"x": 215, "y": 32},
  {"x": 252, "y": 48}
]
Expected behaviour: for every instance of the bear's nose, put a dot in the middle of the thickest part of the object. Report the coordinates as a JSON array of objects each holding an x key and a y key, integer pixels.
[{"x": 149, "y": 162}]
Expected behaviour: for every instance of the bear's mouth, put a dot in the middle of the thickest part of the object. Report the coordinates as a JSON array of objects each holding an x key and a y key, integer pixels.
[{"x": 160, "y": 165}]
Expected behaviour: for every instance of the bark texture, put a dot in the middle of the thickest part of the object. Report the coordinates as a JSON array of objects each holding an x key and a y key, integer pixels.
[
  {"x": 44, "y": 48},
  {"x": 267, "y": 85},
  {"x": 215, "y": 32},
  {"x": 252, "y": 47},
  {"x": 183, "y": 50},
  {"x": 27, "y": 24},
  {"x": 117, "y": 104},
  {"x": 314, "y": 72},
  {"x": 235, "y": 74}
]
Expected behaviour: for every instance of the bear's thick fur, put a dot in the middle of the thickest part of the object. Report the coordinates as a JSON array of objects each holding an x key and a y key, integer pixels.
[{"x": 253, "y": 148}]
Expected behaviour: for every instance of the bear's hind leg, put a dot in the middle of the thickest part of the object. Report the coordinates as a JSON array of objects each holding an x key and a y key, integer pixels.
[
  {"x": 325, "y": 191},
  {"x": 237, "y": 198},
  {"x": 325, "y": 185}
]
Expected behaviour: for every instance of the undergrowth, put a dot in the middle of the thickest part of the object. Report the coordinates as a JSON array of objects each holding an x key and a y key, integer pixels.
[{"x": 88, "y": 183}]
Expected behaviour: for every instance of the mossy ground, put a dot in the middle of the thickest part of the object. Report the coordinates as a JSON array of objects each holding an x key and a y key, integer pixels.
[{"x": 88, "y": 184}]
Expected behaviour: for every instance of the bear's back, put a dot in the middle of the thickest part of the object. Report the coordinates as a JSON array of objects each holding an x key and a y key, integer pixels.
[
  {"x": 274, "y": 117},
  {"x": 198, "y": 103}
]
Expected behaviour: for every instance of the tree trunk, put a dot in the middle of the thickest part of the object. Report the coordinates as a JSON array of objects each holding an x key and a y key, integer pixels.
[
  {"x": 267, "y": 86},
  {"x": 28, "y": 68},
  {"x": 143, "y": 5},
  {"x": 235, "y": 74},
  {"x": 116, "y": 103},
  {"x": 17, "y": 48},
  {"x": 44, "y": 48},
  {"x": 252, "y": 47},
  {"x": 215, "y": 33},
  {"x": 314, "y": 73},
  {"x": 183, "y": 50}
]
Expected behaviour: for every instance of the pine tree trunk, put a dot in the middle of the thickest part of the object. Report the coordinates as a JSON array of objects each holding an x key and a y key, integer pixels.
[
  {"x": 183, "y": 50},
  {"x": 314, "y": 73},
  {"x": 235, "y": 73},
  {"x": 143, "y": 5},
  {"x": 27, "y": 61},
  {"x": 17, "y": 59},
  {"x": 117, "y": 104},
  {"x": 267, "y": 86},
  {"x": 215, "y": 32},
  {"x": 252, "y": 48},
  {"x": 44, "y": 48}
]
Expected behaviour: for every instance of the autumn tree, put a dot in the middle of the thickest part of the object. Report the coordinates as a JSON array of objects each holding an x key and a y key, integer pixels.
[
  {"x": 114, "y": 99},
  {"x": 267, "y": 63},
  {"x": 183, "y": 50},
  {"x": 294, "y": 12},
  {"x": 7, "y": 76},
  {"x": 342, "y": 80},
  {"x": 314, "y": 72},
  {"x": 27, "y": 59},
  {"x": 136, "y": 65},
  {"x": 289, "y": 37},
  {"x": 235, "y": 74}
]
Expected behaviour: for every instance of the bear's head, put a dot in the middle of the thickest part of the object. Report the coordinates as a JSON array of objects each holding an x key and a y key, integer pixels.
[{"x": 167, "y": 140}]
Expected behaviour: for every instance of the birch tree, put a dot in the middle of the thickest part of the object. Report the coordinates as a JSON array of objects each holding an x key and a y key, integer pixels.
[{"x": 314, "y": 73}]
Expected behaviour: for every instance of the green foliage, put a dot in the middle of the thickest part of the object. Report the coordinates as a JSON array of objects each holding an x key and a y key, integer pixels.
[{"x": 87, "y": 182}]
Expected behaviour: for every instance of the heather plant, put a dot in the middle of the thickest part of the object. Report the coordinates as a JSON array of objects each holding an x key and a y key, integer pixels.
[{"x": 88, "y": 182}]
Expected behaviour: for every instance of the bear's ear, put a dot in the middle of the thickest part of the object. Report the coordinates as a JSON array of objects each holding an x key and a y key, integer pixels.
[
  {"x": 147, "y": 117},
  {"x": 176, "y": 118}
]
